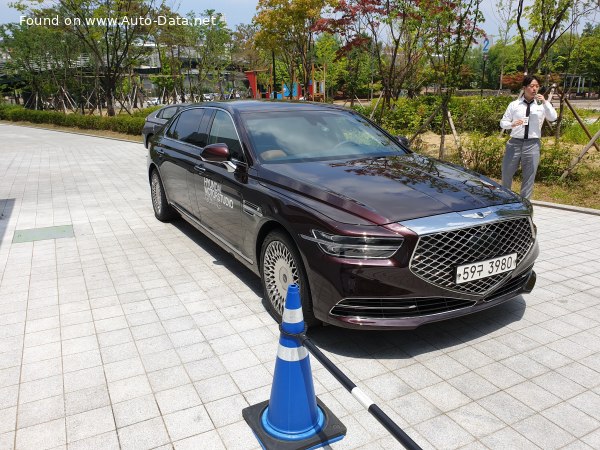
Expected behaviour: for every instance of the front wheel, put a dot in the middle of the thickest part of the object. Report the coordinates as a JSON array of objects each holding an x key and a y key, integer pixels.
[
  {"x": 281, "y": 265},
  {"x": 162, "y": 210}
]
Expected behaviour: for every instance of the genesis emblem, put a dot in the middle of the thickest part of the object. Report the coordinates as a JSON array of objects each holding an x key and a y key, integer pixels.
[{"x": 477, "y": 215}]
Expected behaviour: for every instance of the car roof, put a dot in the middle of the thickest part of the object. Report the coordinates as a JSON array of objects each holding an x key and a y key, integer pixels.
[{"x": 270, "y": 105}]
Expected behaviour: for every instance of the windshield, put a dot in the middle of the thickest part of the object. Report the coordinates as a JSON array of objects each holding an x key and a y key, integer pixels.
[{"x": 296, "y": 136}]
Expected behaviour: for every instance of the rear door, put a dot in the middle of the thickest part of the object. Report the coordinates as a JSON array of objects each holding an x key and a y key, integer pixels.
[{"x": 181, "y": 149}]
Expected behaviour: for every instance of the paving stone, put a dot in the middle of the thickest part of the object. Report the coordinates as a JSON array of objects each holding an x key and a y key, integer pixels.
[
  {"x": 188, "y": 422},
  {"x": 43, "y": 436},
  {"x": 86, "y": 399},
  {"x": 543, "y": 433},
  {"x": 41, "y": 411},
  {"x": 144, "y": 435},
  {"x": 90, "y": 423},
  {"x": 177, "y": 398},
  {"x": 136, "y": 410}
]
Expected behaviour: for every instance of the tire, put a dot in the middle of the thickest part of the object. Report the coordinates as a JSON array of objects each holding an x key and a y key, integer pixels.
[
  {"x": 162, "y": 210},
  {"x": 281, "y": 265}
]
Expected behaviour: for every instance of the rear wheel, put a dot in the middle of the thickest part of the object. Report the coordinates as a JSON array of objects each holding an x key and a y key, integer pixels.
[
  {"x": 281, "y": 265},
  {"x": 162, "y": 210}
]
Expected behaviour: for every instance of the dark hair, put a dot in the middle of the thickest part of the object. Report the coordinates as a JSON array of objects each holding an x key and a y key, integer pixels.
[{"x": 529, "y": 78}]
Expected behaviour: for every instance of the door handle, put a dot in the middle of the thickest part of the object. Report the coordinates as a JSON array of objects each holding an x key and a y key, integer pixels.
[
  {"x": 199, "y": 169},
  {"x": 160, "y": 151}
]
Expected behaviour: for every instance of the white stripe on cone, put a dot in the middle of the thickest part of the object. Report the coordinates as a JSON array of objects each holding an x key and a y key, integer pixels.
[
  {"x": 292, "y": 315},
  {"x": 294, "y": 354}
]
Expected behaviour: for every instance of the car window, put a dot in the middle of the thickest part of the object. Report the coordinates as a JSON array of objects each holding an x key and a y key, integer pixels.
[
  {"x": 167, "y": 113},
  {"x": 186, "y": 128},
  {"x": 304, "y": 135},
  {"x": 223, "y": 132}
]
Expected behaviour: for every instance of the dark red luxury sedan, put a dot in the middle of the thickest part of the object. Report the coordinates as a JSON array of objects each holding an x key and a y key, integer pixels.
[{"x": 375, "y": 235}]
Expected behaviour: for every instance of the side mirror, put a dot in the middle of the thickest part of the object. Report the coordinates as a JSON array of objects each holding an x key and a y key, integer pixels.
[
  {"x": 404, "y": 141},
  {"x": 218, "y": 153},
  {"x": 215, "y": 153}
]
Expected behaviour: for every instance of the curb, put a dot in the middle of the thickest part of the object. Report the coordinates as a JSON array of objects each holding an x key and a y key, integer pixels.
[
  {"x": 4, "y": 122},
  {"x": 579, "y": 209}
]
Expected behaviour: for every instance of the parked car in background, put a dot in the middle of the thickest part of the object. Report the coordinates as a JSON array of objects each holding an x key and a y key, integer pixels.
[
  {"x": 152, "y": 101},
  {"x": 376, "y": 236},
  {"x": 156, "y": 120}
]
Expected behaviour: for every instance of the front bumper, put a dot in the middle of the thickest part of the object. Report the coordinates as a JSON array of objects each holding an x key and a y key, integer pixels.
[
  {"x": 395, "y": 294},
  {"x": 454, "y": 308}
]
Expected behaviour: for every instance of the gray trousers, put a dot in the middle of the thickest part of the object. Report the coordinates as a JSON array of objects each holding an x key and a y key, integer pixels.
[{"x": 527, "y": 153}]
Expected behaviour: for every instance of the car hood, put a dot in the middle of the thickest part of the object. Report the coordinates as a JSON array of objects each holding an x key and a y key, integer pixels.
[{"x": 386, "y": 189}]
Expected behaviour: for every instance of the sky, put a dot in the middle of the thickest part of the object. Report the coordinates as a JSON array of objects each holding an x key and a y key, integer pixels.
[
  {"x": 242, "y": 11},
  {"x": 235, "y": 11}
]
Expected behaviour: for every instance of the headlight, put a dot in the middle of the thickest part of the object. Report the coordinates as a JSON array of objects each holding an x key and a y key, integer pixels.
[{"x": 363, "y": 247}]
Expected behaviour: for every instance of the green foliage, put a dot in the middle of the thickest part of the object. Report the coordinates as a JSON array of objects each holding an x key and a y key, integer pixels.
[
  {"x": 122, "y": 124},
  {"x": 470, "y": 114},
  {"x": 483, "y": 153},
  {"x": 478, "y": 114},
  {"x": 572, "y": 132},
  {"x": 555, "y": 157}
]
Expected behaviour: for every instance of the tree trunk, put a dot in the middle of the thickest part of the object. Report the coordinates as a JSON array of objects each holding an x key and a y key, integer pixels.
[
  {"x": 109, "y": 96},
  {"x": 442, "y": 154}
]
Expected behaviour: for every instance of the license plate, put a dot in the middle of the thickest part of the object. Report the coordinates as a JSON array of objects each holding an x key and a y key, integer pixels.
[{"x": 487, "y": 268}]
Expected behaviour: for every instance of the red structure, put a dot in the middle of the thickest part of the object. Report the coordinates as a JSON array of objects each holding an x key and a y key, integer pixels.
[{"x": 251, "y": 76}]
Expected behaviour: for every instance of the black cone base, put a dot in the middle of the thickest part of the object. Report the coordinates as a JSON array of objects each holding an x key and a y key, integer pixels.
[{"x": 332, "y": 431}]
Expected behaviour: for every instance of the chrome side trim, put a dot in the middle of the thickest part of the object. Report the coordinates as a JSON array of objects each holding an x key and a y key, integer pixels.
[
  {"x": 216, "y": 236},
  {"x": 251, "y": 209},
  {"x": 464, "y": 219}
]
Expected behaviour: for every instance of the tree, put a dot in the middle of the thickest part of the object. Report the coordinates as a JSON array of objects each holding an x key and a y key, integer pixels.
[
  {"x": 391, "y": 30},
  {"x": 454, "y": 27},
  {"x": 506, "y": 12},
  {"x": 244, "y": 52},
  {"x": 589, "y": 54},
  {"x": 548, "y": 20},
  {"x": 286, "y": 27},
  {"x": 45, "y": 61},
  {"x": 110, "y": 30},
  {"x": 210, "y": 47}
]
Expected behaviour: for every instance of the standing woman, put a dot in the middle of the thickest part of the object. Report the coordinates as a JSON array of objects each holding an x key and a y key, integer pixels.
[{"x": 525, "y": 117}]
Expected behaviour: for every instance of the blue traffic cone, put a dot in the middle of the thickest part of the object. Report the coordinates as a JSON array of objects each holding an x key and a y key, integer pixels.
[{"x": 293, "y": 418}]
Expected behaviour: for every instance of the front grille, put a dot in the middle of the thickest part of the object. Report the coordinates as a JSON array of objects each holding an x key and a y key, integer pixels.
[
  {"x": 510, "y": 286},
  {"x": 386, "y": 308},
  {"x": 437, "y": 255}
]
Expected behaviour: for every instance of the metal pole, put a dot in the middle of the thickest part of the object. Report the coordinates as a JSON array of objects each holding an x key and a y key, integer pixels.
[
  {"x": 483, "y": 74},
  {"x": 274, "y": 76},
  {"x": 359, "y": 395}
]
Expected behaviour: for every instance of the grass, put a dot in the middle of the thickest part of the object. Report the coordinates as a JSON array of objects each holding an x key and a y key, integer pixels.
[{"x": 584, "y": 192}]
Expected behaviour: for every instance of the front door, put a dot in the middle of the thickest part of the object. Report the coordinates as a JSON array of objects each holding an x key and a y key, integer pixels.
[{"x": 219, "y": 194}]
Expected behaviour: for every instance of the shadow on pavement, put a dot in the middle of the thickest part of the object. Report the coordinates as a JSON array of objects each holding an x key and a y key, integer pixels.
[
  {"x": 406, "y": 344},
  {"x": 377, "y": 344},
  {"x": 6, "y": 207}
]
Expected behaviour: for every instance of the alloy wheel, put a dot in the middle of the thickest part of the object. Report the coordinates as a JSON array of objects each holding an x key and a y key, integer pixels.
[{"x": 280, "y": 270}]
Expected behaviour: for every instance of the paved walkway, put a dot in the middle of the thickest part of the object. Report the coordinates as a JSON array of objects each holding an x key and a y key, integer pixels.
[{"x": 135, "y": 334}]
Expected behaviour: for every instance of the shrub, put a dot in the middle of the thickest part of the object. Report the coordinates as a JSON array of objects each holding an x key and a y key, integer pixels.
[
  {"x": 554, "y": 159},
  {"x": 484, "y": 154},
  {"x": 123, "y": 124},
  {"x": 405, "y": 116}
]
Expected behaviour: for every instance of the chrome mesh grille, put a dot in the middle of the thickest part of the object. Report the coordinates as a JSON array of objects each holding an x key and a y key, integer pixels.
[{"x": 437, "y": 255}]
